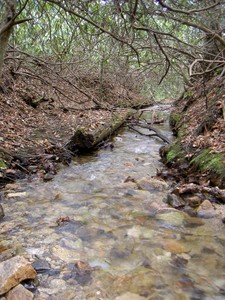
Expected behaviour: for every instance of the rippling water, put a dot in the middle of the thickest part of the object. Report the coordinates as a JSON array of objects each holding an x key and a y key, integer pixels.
[{"x": 106, "y": 237}]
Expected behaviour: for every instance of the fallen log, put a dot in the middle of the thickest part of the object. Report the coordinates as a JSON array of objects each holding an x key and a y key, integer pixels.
[{"x": 85, "y": 140}]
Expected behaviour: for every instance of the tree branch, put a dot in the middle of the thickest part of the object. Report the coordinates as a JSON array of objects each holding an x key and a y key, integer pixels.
[
  {"x": 187, "y": 12},
  {"x": 166, "y": 56},
  {"x": 194, "y": 25},
  {"x": 221, "y": 62}
]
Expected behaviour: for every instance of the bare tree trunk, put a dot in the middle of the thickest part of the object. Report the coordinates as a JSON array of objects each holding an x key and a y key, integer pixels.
[{"x": 6, "y": 28}]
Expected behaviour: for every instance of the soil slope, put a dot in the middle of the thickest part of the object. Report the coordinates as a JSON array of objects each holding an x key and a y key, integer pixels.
[{"x": 197, "y": 157}]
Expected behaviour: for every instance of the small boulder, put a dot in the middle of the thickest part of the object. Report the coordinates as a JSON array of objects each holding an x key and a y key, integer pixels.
[
  {"x": 206, "y": 210},
  {"x": 19, "y": 293},
  {"x": 150, "y": 184},
  {"x": 13, "y": 271},
  {"x": 194, "y": 201},
  {"x": 174, "y": 200}
]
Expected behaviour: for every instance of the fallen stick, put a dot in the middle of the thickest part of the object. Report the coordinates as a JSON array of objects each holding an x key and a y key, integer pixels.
[{"x": 157, "y": 133}]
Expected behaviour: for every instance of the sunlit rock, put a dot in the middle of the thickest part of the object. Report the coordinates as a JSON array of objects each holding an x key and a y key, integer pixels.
[
  {"x": 172, "y": 218},
  {"x": 19, "y": 293},
  {"x": 18, "y": 194},
  {"x": 13, "y": 271}
]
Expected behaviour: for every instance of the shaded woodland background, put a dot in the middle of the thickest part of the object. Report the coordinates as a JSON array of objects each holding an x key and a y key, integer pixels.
[{"x": 138, "y": 44}]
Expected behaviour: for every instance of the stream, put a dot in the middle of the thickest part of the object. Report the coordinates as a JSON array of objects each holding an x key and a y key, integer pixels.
[{"x": 101, "y": 230}]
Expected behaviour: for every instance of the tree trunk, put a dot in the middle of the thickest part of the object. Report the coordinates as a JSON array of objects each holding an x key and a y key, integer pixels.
[
  {"x": 85, "y": 140},
  {"x": 6, "y": 28},
  {"x": 213, "y": 50}
]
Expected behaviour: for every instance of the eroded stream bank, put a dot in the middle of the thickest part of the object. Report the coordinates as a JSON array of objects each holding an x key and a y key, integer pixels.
[{"x": 101, "y": 230}]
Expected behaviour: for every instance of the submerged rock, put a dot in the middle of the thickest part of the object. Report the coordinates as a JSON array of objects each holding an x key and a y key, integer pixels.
[
  {"x": 175, "y": 247},
  {"x": 65, "y": 254},
  {"x": 13, "y": 271},
  {"x": 175, "y": 218},
  {"x": 2, "y": 214},
  {"x": 150, "y": 184},
  {"x": 130, "y": 296}
]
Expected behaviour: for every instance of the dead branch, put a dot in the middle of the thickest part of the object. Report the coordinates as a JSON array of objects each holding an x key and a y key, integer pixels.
[
  {"x": 157, "y": 133},
  {"x": 221, "y": 62}
]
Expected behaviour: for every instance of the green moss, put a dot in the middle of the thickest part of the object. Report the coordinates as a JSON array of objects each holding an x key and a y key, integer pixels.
[
  {"x": 176, "y": 117},
  {"x": 210, "y": 162},
  {"x": 2, "y": 164},
  {"x": 175, "y": 151},
  {"x": 188, "y": 94},
  {"x": 181, "y": 131}
]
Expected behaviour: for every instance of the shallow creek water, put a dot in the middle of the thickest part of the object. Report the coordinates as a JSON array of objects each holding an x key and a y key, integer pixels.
[{"x": 106, "y": 238}]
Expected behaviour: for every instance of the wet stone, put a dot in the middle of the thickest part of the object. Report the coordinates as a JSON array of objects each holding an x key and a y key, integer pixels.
[
  {"x": 206, "y": 210},
  {"x": 41, "y": 266},
  {"x": 19, "y": 293},
  {"x": 17, "y": 195},
  {"x": 193, "y": 222},
  {"x": 172, "y": 218},
  {"x": 130, "y": 296},
  {"x": 65, "y": 254},
  {"x": 151, "y": 185},
  {"x": 194, "y": 201},
  {"x": 174, "y": 247},
  {"x": 2, "y": 214},
  {"x": 13, "y": 271},
  {"x": 174, "y": 200},
  {"x": 134, "y": 282}
]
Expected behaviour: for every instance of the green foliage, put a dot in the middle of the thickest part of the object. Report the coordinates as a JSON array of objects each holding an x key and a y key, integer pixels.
[{"x": 210, "y": 162}]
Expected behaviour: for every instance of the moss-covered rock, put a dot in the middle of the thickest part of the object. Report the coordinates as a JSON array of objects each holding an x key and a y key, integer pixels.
[
  {"x": 207, "y": 161},
  {"x": 175, "y": 119}
]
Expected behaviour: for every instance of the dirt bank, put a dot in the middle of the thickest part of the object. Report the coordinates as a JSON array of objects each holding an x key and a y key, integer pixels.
[{"x": 197, "y": 157}]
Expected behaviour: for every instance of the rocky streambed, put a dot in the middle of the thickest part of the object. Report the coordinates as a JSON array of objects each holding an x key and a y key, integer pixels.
[{"x": 101, "y": 229}]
